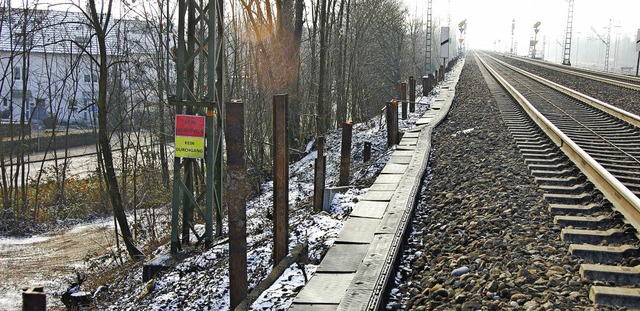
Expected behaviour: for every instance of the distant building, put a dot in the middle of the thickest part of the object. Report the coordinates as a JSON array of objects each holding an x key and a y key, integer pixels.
[{"x": 46, "y": 70}]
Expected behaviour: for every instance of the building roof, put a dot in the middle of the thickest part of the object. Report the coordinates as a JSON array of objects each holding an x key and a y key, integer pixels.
[{"x": 64, "y": 32}]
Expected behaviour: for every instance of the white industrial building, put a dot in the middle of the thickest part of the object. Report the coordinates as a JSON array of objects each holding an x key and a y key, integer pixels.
[{"x": 46, "y": 70}]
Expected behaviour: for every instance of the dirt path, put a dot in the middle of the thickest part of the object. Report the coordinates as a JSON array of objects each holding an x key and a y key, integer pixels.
[{"x": 48, "y": 260}]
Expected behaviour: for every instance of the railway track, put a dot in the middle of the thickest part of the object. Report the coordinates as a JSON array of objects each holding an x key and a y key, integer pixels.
[
  {"x": 624, "y": 81},
  {"x": 585, "y": 155}
]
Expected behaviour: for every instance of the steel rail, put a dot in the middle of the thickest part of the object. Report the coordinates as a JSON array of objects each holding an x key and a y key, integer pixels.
[
  {"x": 598, "y": 104},
  {"x": 608, "y": 78},
  {"x": 622, "y": 199},
  {"x": 578, "y": 69}
]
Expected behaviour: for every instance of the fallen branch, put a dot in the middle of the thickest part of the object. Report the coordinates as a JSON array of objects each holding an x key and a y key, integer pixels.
[{"x": 300, "y": 255}]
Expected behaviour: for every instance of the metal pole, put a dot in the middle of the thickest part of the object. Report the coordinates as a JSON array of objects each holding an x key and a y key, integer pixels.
[
  {"x": 430, "y": 83},
  {"x": 237, "y": 203},
  {"x": 403, "y": 98},
  {"x": 637, "y": 64},
  {"x": 345, "y": 155},
  {"x": 221, "y": 113},
  {"x": 280, "y": 179},
  {"x": 392, "y": 123},
  {"x": 366, "y": 153},
  {"x": 319, "y": 178},
  {"x": 427, "y": 54},
  {"x": 34, "y": 299},
  {"x": 412, "y": 94},
  {"x": 177, "y": 162},
  {"x": 389, "y": 120},
  {"x": 394, "y": 116},
  {"x": 210, "y": 159},
  {"x": 425, "y": 85},
  {"x": 211, "y": 133}
]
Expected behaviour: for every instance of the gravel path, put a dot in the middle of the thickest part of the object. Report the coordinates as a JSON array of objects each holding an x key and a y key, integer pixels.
[{"x": 482, "y": 236}]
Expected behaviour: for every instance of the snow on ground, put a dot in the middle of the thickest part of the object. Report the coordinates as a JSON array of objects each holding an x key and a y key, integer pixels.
[{"x": 201, "y": 281}]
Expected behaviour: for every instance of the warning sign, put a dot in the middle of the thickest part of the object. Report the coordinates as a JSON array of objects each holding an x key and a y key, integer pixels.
[
  {"x": 189, "y": 136},
  {"x": 189, "y": 147},
  {"x": 187, "y": 125}
]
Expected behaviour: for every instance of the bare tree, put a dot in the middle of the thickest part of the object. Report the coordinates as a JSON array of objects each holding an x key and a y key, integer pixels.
[{"x": 100, "y": 23}]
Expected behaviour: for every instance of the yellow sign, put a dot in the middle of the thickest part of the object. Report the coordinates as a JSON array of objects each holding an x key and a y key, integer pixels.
[{"x": 189, "y": 147}]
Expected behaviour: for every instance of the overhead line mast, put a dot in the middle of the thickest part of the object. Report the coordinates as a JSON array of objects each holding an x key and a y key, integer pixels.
[
  {"x": 567, "y": 40},
  {"x": 427, "y": 57},
  {"x": 200, "y": 45}
]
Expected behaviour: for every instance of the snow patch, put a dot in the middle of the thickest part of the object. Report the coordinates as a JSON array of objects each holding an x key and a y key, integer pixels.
[{"x": 467, "y": 131}]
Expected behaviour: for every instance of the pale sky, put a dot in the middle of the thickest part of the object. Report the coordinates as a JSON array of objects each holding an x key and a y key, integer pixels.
[{"x": 490, "y": 20}]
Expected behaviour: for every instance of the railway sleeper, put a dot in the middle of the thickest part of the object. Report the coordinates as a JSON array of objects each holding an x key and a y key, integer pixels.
[
  {"x": 528, "y": 135},
  {"x": 545, "y": 161},
  {"x": 538, "y": 156},
  {"x": 550, "y": 167},
  {"x": 603, "y": 254},
  {"x": 516, "y": 121},
  {"x": 575, "y": 209},
  {"x": 608, "y": 155},
  {"x": 624, "y": 143},
  {"x": 617, "y": 275},
  {"x": 583, "y": 221},
  {"x": 560, "y": 181},
  {"x": 631, "y": 176},
  {"x": 615, "y": 162},
  {"x": 581, "y": 198},
  {"x": 612, "y": 236},
  {"x": 605, "y": 149},
  {"x": 568, "y": 189},
  {"x": 555, "y": 174},
  {"x": 630, "y": 182},
  {"x": 533, "y": 137},
  {"x": 539, "y": 151},
  {"x": 533, "y": 146},
  {"x": 617, "y": 296}
]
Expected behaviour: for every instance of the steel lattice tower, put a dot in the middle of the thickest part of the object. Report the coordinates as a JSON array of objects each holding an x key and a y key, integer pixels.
[
  {"x": 199, "y": 91},
  {"x": 427, "y": 57},
  {"x": 567, "y": 39},
  {"x": 608, "y": 44}
]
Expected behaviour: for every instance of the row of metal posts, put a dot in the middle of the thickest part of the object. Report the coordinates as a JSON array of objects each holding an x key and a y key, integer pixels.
[{"x": 237, "y": 182}]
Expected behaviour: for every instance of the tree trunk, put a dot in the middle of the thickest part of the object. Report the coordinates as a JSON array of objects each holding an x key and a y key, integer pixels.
[
  {"x": 109, "y": 173},
  {"x": 322, "y": 110}
]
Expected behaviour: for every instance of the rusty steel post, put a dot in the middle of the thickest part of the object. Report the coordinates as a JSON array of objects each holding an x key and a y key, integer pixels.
[
  {"x": 236, "y": 188},
  {"x": 388, "y": 119},
  {"x": 403, "y": 98},
  {"x": 392, "y": 123},
  {"x": 345, "y": 155},
  {"x": 366, "y": 152},
  {"x": 319, "y": 177},
  {"x": 431, "y": 83},
  {"x": 412, "y": 94},
  {"x": 395, "y": 121},
  {"x": 34, "y": 299},
  {"x": 442, "y": 72},
  {"x": 280, "y": 179},
  {"x": 425, "y": 85}
]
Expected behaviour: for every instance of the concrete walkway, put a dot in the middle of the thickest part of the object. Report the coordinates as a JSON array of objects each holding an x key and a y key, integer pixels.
[{"x": 357, "y": 269}]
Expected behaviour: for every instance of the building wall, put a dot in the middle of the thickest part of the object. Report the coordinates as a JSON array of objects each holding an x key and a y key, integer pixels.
[{"x": 62, "y": 80}]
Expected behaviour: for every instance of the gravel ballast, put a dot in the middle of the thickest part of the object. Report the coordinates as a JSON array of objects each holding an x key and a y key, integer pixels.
[{"x": 482, "y": 237}]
